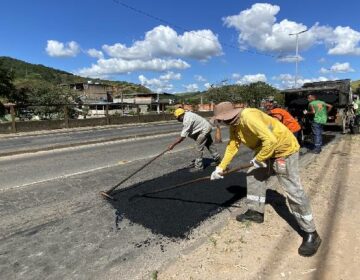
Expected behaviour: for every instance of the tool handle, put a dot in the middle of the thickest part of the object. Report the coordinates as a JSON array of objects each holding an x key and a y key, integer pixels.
[
  {"x": 136, "y": 171},
  {"x": 244, "y": 166},
  {"x": 218, "y": 138},
  {"x": 201, "y": 179},
  {"x": 209, "y": 177}
]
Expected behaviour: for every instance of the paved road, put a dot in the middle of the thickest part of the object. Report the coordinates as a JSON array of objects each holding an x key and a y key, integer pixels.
[
  {"x": 61, "y": 163},
  {"x": 54, "y": 225},
  {"x": 61, "y": 229},
  {"x": 14, "y": 144}
]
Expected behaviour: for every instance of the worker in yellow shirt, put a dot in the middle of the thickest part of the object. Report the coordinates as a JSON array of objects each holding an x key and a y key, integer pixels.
[{"x": 276, "y": 152}]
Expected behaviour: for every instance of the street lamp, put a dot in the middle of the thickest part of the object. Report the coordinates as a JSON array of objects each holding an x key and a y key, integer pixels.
[{"x": 297, "y": 53}]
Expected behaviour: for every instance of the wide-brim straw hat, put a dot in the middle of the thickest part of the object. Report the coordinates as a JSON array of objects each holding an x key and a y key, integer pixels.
[{"x": 225, "y": 111}]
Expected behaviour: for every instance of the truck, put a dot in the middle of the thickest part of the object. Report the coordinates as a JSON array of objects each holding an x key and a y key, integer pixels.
[{"x": 338, "y": 93}]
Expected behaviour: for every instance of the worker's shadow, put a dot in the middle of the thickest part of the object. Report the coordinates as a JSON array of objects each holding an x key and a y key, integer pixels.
[
  {"x": 278, "y": 202},
  {"x": 164, "y": 208}
]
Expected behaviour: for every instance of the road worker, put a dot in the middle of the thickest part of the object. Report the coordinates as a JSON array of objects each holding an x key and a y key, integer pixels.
[
  {"x": 286, "y": 118},
  {"x": 319, "y": 109},
  {"x": 276, "y": 152},
  {"x": 199, "y": 129},
  {"x": 356, "y": 107}
]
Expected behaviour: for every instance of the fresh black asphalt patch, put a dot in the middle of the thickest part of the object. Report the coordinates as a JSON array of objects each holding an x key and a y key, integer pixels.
[{"x": 174, "y": 212}]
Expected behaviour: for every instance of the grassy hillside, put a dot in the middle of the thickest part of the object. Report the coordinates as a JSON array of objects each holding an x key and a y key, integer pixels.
[
  {"x": 27, "y": 72},
  {"x": 355, "y": 85}
]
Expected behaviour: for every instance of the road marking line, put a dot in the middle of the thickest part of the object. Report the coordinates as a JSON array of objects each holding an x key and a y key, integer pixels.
[
  {"x": 123, "y": 162},
  {"x": 56, "y": 178}
]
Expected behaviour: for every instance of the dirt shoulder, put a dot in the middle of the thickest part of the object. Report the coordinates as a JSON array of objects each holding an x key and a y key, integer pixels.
[{"x": 269, "y": 250}]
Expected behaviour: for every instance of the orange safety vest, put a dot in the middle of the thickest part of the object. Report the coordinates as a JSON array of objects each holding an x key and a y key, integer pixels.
[{"x": 286, "y": 118}]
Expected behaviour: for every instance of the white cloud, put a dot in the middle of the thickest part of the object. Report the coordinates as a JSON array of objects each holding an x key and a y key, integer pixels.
[
  {"x": 156, "y": 85},
  {"x": 163, "y": 41},
  {"x": 288, "y": 80},
  {"x": 57, "y": 49},
  {"x": 160, "y": 50},
  {"x": 289, "y": 58},
  {"x": 236, "y": 76},
  {"x": 95, "y": 53},
  {"x": 191, "y": 87},
  {"x": 248, "y": 79},
  {"x": 338, "y": 68},
  {"x": 170, "y": 76},
  {"x": 346, "y": 41},
  {"x": 207, "y": 85},
  {"x": 199, "y": 78},
  {"x": 258, "y": 28},
  {"x": 111, "y": 66}
]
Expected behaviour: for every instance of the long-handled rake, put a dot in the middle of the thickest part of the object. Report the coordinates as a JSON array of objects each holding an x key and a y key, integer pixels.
[
  {"x": 201, "y": 179},
  {"x": 107, "y": 194}
]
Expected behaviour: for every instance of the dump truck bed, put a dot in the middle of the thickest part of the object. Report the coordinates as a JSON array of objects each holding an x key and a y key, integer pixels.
[{"x": 336, "y": 93}]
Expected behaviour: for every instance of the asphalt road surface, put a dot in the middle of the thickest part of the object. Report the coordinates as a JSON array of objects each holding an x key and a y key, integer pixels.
[
  {"x": 54, "y": 224},
  {"x": 14, "y": 144}
]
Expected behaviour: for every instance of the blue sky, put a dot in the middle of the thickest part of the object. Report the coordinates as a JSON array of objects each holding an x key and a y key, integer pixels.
[{"x": 186, "y": 45}]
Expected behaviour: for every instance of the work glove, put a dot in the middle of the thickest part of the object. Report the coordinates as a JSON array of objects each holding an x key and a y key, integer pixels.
[
  {"x": 258, "y": 164},
  {"x": 217, "y": 174},
  {"x": 305, "y": 112}
]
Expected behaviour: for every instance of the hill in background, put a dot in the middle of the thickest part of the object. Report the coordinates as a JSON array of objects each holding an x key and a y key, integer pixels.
[
  {"x": 25, "y": 72},
  {"x": 37, "y": 73}
]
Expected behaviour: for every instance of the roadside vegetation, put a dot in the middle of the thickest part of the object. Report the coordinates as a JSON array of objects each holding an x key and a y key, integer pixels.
[
  {"x": 250, "y": 94},
  {"x": 24, "y": 83}
]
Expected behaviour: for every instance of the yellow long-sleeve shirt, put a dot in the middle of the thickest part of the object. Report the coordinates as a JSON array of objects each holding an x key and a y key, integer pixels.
[{"x": 268, "y": 137}]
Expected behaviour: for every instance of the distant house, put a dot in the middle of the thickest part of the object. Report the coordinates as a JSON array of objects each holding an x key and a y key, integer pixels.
[
  {"x": 96, "y": 97},
  {"x": 146, "y": 101},
  {"x": 93, "y": 92}
]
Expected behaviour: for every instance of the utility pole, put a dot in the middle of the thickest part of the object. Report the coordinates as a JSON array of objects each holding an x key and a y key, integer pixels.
[{"x": 297, "y": 53}]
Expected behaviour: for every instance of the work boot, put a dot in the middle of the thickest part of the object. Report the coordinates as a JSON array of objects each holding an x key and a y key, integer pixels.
[
  {"x": 196, "y": 169},
  {"x": 191, "y": 164},
  {"x": 310, "y": 245},
  {"x": 251, "y": 215},
  {"x": 315, "y": 151}
]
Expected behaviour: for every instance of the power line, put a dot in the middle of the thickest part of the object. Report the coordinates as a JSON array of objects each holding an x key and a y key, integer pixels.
[
  {"x": 136, "y": 10},
  {"x": 179, "y": 27}
]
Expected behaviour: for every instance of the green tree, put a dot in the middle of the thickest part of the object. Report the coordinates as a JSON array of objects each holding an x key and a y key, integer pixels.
[
  {"x": 49, "y": 101},
  {"x": 357, "y": 90},
  {"x": 251, "y": 94},
  {"x": 44, "y": 99},
  {"x": 256, "y": 92},
  {"x": 7, "y": 88}
]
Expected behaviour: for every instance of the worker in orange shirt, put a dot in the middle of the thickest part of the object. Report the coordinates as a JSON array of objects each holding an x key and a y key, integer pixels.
[{"x": 284, "y": 117}]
